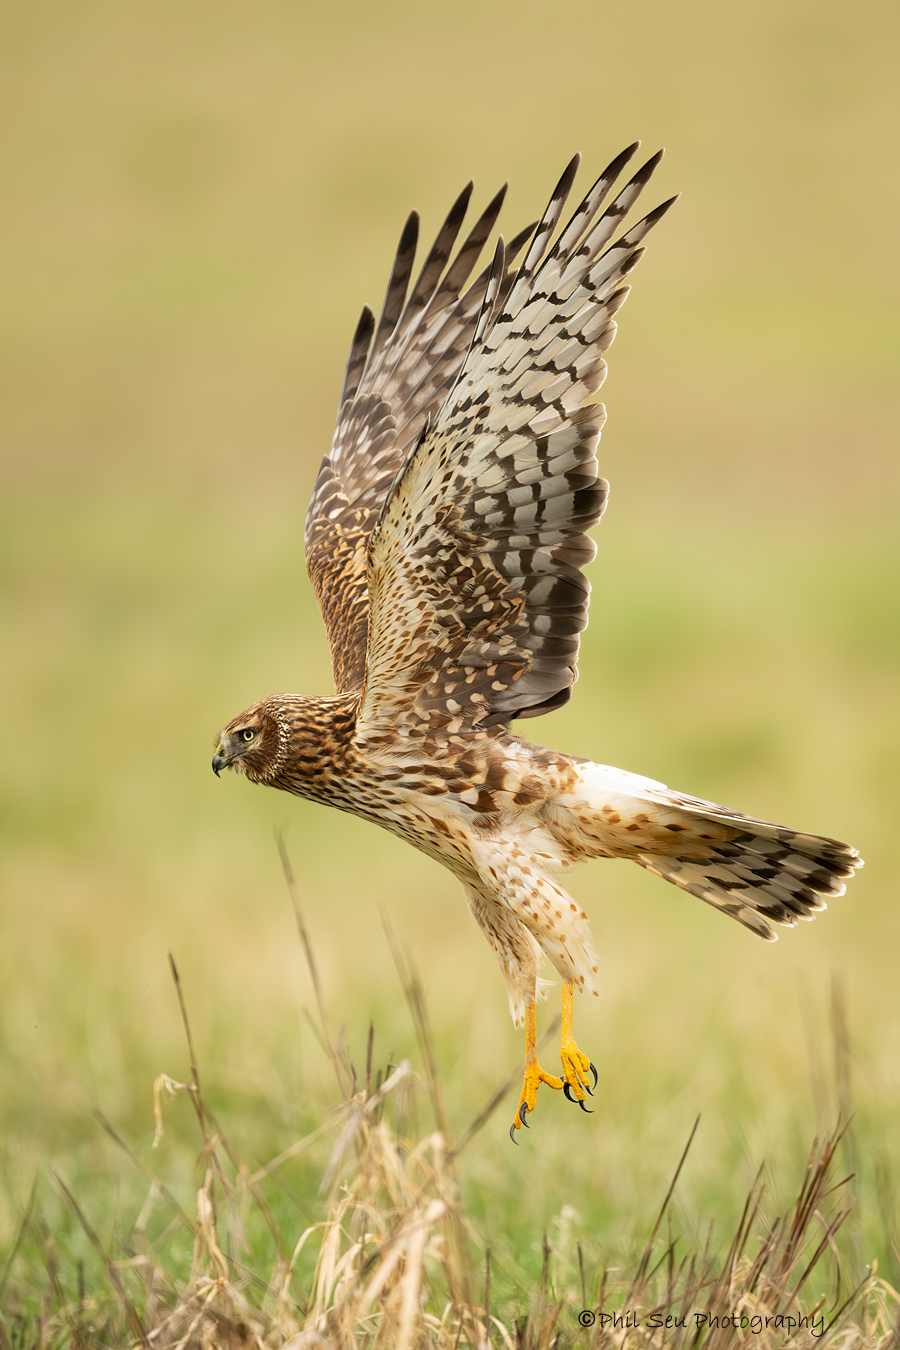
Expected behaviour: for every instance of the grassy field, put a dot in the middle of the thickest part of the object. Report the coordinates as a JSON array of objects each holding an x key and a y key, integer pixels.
[{"x": 197, "y": 200}]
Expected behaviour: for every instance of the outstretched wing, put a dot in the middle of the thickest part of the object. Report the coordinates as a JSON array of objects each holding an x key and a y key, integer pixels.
[
  {"x": 475, "y": 583},
  {"x": 396, "y": 378}
]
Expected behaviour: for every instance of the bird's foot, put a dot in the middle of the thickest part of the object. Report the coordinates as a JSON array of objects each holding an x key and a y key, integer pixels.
[
  {"x": 534, "y": 1076},
  {"x": 576, "y": 1067}
]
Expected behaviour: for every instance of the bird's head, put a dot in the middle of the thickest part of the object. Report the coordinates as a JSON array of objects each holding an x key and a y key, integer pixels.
[{"x": 253, "y": 743}]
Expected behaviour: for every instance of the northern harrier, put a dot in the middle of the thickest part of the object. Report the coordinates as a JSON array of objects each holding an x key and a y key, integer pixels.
[{"x": 445, "y": 541}]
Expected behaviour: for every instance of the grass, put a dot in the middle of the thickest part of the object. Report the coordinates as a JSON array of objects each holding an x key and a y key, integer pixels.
[
  {"x": 126, "y": 847},
  {"x": 384, "y": 1252}
]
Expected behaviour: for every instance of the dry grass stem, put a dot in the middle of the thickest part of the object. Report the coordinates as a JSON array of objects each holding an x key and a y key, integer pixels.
[{"x": 389, "y": 1264}]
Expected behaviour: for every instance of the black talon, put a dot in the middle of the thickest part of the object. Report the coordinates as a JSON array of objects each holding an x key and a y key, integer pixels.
[
  {"x": 567, "y": 1090},
  {"x": 520, "y": 1116},
  {"x": 594, "y": 1072}
]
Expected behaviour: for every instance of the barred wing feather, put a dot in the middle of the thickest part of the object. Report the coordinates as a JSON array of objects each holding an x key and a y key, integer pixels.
[
  {"x": 475, "y": 584},
  {"x": 397, "y": 376}
]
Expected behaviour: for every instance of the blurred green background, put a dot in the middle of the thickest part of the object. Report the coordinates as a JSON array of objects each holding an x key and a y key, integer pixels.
[{"x": 198, "y": 198}]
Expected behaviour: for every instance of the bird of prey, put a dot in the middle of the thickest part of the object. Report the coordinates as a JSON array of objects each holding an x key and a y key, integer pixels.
[{"x": 445, "y": 540}]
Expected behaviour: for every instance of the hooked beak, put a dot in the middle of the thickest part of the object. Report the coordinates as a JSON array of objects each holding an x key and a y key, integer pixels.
[{"x": 220, "y": 761}]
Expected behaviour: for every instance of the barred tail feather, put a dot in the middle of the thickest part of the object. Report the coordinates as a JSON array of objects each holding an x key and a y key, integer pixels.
[{"x": 757, "y": 872}]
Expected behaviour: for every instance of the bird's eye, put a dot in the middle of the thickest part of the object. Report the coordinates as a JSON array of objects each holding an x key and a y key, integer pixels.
[{"x": 248, "y": 734}]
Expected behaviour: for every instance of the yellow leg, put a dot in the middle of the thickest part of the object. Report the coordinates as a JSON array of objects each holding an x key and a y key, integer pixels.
[
  {"x": 534, "y": 1074},
  {"x": 576, "y": 1065}
]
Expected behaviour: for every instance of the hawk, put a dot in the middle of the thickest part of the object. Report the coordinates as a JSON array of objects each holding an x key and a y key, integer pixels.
[{"x": 446, "y": 540}]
